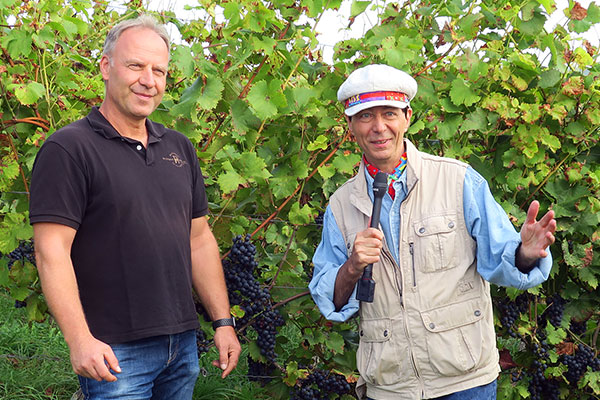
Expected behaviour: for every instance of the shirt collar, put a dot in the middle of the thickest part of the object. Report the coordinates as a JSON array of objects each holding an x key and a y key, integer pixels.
[
  {"x": 101, "y": 126},
  {"x": 393, "y": 177}
]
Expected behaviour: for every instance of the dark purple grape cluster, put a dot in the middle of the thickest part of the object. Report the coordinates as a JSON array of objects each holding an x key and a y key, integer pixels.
[
  {"x": 554, "y": 312},
  {"x": 260, "y": 372},
  {"x": 319, "y": 218},
  {"x": 319, "y": 385},
  {"x": 266, "y": 324},
  {"x": 22, "y": 253},
  {"x": 202, "y": 342},
  {"x": 245, "y": 290},
  {"x": 578, "y": 327},
  {"x": 510, "y": 311},
  {"x": 239, "y": 268},
  {"x": 540, "y": 387},
  {"x": 578, "y": 363}
]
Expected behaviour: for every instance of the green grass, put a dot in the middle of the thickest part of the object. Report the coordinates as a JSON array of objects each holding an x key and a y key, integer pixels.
[
  {"x": 34, "y": 364},
  {"x": 34, "y": 359}
]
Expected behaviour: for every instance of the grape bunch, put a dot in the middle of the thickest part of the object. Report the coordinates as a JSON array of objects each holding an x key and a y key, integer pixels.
[
  {"x": 578, "y": 362},
  {"x": 260, "y": 372},
  {"x": 511, "y": 310},
  {"x": 202, "y": 342},
  {"x": 578, "y": 327},
  {"x": 244, "y": 290},
  {"x": 318, "y": 385},
  {"x": 22, "y": 253},
  {"x": 319, "y": 218},
  {"x": 540, "y": 387},
  {"x": 554, "y": 312}
]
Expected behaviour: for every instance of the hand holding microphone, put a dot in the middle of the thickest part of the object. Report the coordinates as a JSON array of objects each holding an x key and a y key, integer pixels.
[{"x": 366, "y": 284}]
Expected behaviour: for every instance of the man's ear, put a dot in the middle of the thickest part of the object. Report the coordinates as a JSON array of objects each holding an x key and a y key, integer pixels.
[
  {"x": 104, "y": 67},
  {"x": 348, "y": 120},
  {"x": 408, "y": 116}
]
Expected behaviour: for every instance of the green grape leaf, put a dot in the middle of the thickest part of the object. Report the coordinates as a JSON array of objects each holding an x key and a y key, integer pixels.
[
  {"x": 259, "y": 99},
  {"x": 549, "y": 78},
  {"x": 300, "y": 216},
  {"x": 335, "y": 342},
  {"x": 254, "y": 167},
  {"x": 320, "y": 143},
  {"x": 461, "y": 93},
  {"x": 18, "y": 43},
  {"x": 358, "y": 7},
  {"x": 30, "y": 93}
]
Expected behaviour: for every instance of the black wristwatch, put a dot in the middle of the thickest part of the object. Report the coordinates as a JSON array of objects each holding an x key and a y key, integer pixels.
[{"x": 224, "y": 322}]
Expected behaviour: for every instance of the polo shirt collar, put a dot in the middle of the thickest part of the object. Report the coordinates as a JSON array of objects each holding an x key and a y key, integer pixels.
[{"x": 101, "y": 126}]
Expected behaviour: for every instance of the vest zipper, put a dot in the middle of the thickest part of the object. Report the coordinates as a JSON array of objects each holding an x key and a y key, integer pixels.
[
  {"x": 410, "y": 348},
  {"x": 411, "y": 249}
]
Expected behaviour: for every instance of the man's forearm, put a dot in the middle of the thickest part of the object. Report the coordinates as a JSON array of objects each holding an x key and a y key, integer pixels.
[
  {"x": 58, "y": 280},
  {"x": 208, "y": 277},
  {"x": 344, "y": 285}
]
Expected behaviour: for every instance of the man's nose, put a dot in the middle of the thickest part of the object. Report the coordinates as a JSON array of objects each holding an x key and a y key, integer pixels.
[
  {"x": 147, "y": 78},
  {"x": 378, "y": 123}
]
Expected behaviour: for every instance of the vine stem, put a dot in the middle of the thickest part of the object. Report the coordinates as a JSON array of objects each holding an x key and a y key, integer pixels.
[
  {"x": 299, "y": 186},
  {"x": 16, "y": 153},
  {"x": 274, "y": 214},
  {"x": 212, "y": 135},
  {"x": 287, "y": 250},
  {"x": 245, "y": 90},
  {"x": 29, "y": 120},
  {"x": 294, "y": 297},
  {"x": 537, "y": 189}
]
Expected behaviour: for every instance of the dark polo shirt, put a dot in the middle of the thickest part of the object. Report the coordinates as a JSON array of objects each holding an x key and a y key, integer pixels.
[{"x": 132, "y": 208}]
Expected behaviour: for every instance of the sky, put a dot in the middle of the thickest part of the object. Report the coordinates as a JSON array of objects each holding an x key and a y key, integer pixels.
[{"x": 330, "y": 28}]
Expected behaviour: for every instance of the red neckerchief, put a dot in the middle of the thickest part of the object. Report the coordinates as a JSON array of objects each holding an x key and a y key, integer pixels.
[{"x": 398, "y": 170}]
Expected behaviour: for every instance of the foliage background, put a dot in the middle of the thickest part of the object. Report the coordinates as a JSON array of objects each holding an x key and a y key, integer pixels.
[{"x": 253, "y": 94}]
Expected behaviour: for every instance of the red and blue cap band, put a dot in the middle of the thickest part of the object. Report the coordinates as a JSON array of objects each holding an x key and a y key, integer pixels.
[{"x": 376, "y": 96}]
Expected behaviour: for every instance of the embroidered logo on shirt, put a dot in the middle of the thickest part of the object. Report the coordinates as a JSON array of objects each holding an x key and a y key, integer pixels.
[{"x": 175, "y": 160}]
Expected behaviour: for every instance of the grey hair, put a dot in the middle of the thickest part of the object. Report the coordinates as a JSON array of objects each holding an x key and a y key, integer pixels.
[{"x": 143, "y": 21}]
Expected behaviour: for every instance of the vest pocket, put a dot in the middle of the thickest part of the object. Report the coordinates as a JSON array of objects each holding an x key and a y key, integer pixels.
[
  {"x": 377, "y": 357},
  {"x": 454, "y": 335},
  {"x": 436, "y": 242}
]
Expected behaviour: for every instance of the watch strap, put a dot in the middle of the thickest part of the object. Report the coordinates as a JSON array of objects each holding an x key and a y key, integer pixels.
[{"x": 223, "y": 322}]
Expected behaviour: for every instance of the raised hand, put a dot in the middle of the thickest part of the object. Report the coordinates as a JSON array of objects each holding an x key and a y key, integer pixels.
[{"x": 536, "y": 236}]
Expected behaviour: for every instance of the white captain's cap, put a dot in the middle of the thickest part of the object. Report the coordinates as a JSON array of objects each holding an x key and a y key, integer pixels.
[{"x": 376, "y": 85}]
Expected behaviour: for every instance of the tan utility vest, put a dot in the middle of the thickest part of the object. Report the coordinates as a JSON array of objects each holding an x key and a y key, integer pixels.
[{"x": 429, "y": 331}]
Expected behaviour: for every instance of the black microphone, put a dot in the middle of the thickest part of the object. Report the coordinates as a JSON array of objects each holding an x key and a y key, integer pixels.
[{"x": 366, "y": 284}]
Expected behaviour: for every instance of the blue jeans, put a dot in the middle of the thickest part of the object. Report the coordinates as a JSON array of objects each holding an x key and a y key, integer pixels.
[
  {"x": 485, "y": 392},
  {"x": 158, "y": 368}
]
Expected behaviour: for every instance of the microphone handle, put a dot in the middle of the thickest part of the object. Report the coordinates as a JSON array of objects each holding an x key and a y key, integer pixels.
[{"x": 366, "y": 286}]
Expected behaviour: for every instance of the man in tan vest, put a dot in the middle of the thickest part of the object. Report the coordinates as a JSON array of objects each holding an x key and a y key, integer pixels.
[{"x": 429, "y": 331}]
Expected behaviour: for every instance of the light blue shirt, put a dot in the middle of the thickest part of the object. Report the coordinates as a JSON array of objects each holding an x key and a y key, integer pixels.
[{"x": 486, "y": 221}]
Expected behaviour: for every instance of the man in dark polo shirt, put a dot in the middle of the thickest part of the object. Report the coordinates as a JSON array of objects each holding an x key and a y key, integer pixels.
[{"x": 121, "y": 237}]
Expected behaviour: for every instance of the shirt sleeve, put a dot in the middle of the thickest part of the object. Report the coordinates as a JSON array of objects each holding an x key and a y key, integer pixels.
[
  {"x": 328, "y": 258},
  {"x": 199, "y": 199},
  {"x": 497, "y": 239},
  {"x": 58, "y": 191}
]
